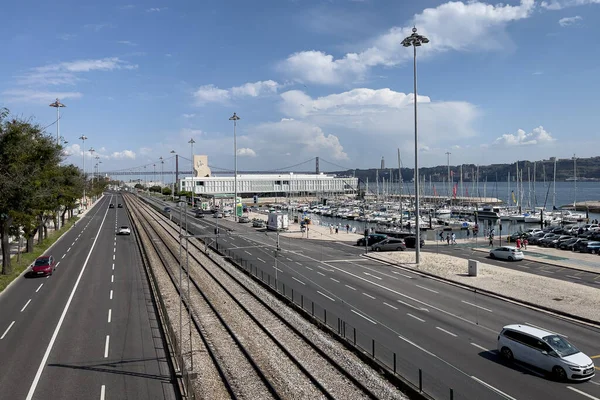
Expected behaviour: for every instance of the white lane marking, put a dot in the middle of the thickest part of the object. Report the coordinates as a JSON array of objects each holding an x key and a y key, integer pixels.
[
  {"x": 298, "y": 280},
  {"x": 309, "y": 268},
  {"x": 371, "y": 275},
  {"x": 404, "y": 275},
  {"x": 114, "y": 250},
  {"x": 479, "y": 347},
  {"x": 299, "y": 263},
  {"x": 106, "y": 346},
  {"x": 73, "y": 244},
  {"x": 445, "y": 331},
  {"x": 113, "y": 267},
  {"x": 589, "y": 396},
  {"x": 324, "y": 269},
  {"x": 544, "y": 329},
  {"x": 324, "y": 295},
  {"x": 7, "y": 329},
  {"x": 572, "y": 277},
  {"x": 68, "y": 250},
  {"x": 102, "y": 392},
  {"x": 493, "y": 388},
  {"x": 56, "y": 266},
  {"x": 320, "y": 273},
  {"x": 39, "y": 287},
  {"x": 425, "y": 288},
  {"x": 349, "y": 287},
  {"x": 247, "y": 252},
  {"x": 64, "y": 255},
  {"x": 475, "y": 305},
  {"x": 277, "y": 269},
  {"x": 391, "y": 306},
  {"x": 595, "y": 383},
  {"x": 113, "y": 257},
  {"x": 260, "y": 259},
  {"x": 368, "y": 295},
  {"x": 335, "y": 280},
  {"x": 112, "y": 278},
  {"x": 110, "y": 294},
  {"x": 25, "y": 306},
  {"x": 415, "y": 317},
  {"x": 109, "y": 315},
  {"x": 368, "y": 319},
  {"x": 289, "y": 259},
  {"x": 411, "y": 306},
  {"x": 38, "y": 374}
]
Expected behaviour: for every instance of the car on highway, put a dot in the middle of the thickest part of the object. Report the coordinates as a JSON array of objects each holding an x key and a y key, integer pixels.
[
  {"x": 43, "y": 266},
  {"x": 217, "y": 215},
  {"x": 124, "y": 230},
  {"x": 243, "y": 220},
  {"x": 371, "y": 239},
  {"x": 389, "y": 244},
  {"x": 545, "y": 350},
  {"x": 509, "y": 253},
  {"x": 111, "y": 205},
  {"x": 119, "y": 205},
  {"x": 258, "y": 223},
  {"x": 167, "y": 209}
]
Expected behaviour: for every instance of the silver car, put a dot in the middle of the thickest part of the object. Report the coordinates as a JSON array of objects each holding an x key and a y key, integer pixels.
[
  {"x": 510, "y": 253},
  {"x": 389, "y": 244}
]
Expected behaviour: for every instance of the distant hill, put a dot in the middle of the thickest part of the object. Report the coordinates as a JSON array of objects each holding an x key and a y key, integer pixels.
[{"x": 587, "y": 169}]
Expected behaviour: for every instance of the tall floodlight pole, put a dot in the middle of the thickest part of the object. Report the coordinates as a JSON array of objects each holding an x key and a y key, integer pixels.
[
  {"x": 175, "y": 154},
  {"x": 58, "y": 105},
  {"x": 449, "y": 187},
  {"x": 235, "y": 119},
  {"x": 191, "y": 142},
  {"x": 97, "y": 168},
  {"x": 145, "y": 179},
  {"x": 83, "y": 138},
  {"x": 154, "y": 175},
  {"x": 91, "y": 150},
  {"x": 415, "y": 40}
]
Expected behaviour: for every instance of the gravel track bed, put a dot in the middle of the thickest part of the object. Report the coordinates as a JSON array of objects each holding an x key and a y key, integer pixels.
[
  {"x": 283, "y": 374},
  {"x": 207, "y": 384}
]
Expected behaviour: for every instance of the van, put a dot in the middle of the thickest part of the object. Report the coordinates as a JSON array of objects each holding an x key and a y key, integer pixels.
[
  {"x": 545, "y": 350},
  {"x": 389, "y": 244}
]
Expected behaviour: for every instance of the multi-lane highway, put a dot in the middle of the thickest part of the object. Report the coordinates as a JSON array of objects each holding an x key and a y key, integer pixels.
[
  {"x": 448, "y": 332},
  {"x": 89, "y": 330}
]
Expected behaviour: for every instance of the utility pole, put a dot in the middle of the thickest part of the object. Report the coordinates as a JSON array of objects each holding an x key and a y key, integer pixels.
[{"x": 449, "y": 180}]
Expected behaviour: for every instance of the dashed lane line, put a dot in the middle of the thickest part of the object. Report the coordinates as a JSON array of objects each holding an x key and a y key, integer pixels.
[
  {"x": 320, "y": 273},
  {"x": 298, "y": 280},
  {"x": 415, "y": 317},
  {"x": 25, "y": 306},
  {"x": 500, "y": 392},
  {"x": 260, "y": 259},
  {"x": 102, "y": 392},
  {"x": 426, "y": 288},
  {"x": 110, "y": 296},
  {"x": 7, "y": 329},
  {"x": 391, "y": 306},
  {"x": 335, "y": 280},
  {"x": 445, "y": 331},
  {"x": 350, "y": 287},
  {"x": 39, "y": 287},
  {"x": 106, "y": 346},
  {"x": 589, "y": 396},
  {"x": 368, "y": 319},
  {"x": 247, "y": 252},
  {"x": 479, "y": 347},
  {"x": 368, "y": 295},
  {"x": 475, "y": 305},
  {"x": 324, "y": 295},
  {"x": 109, "y": 315}
]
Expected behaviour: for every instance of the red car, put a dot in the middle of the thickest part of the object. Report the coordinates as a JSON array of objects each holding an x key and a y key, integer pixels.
[{"x": 44, "y": 265}]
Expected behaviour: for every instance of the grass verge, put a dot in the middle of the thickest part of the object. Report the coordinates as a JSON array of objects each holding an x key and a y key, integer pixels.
[{"x": 28, "y": 258}]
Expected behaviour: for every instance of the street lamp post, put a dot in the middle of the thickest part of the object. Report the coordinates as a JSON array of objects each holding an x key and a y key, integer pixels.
[
  {"x": 415, "y": 40},
  {"x": 153, "y": 182},
  {"x": 162, "y": 162},
  {"x": 83, "y": 139},
  {"x": 173, "y": 193},
  {"x": 235, "y": 119},
  {"x": 191, "y": 142},
  {"x": 58, "y": 105}
]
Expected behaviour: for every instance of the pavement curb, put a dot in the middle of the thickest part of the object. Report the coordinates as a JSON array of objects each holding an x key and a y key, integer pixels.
[{"x": 587, "y": 321}]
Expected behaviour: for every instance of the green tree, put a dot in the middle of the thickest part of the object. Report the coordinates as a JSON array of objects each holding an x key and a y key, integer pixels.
[{"x": 25, "y": 153}]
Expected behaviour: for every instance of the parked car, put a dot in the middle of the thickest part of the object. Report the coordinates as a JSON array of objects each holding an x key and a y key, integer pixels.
[
  {"x": 371, "y": 239},
  {"x": 556, "y": 242},
  {"x": 410, "y": 241},
  {"x": 593, "y": 247},
  {"x": 545, "y": 350},
  {"x": 389, "y": 244},
  {"x": 124, "y": 230},
  {"x": 258, "y": 223},
  {"x": 568, "y": 244},
  {"x": 535, "y": 238},
  {"x": 111, "y": 205},
  {"x": 545, "y": 241},
  {"x": 509, "y": 253},
  {"x": 119, "y": 205},
  {"x": 243, "y": 220},
  {"x": 43, "y": 266},
  {"x": 580, "y": 245}
]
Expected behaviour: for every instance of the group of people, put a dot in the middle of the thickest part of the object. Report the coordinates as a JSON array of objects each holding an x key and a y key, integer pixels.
[
  {"x": 339, "y": 226},
  {"x": 522, "y": 243},
  {"x": 450, "y": 238}
]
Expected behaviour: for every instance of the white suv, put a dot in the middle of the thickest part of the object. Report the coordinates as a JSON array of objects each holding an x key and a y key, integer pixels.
[
  {"x": 545, "y": 350},
  {"x": 124, "y": 230}
]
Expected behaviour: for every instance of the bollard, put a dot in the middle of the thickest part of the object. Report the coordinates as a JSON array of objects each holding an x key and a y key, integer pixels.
[
  {"x": 325, "y": 314},
  {"x": 292, "y": 295},
  {"x": 313, "y": 308},
  {"x": 451, "y": 394},
  {"x": 354, "y": 337},
  {"x": 394, "y": 362},
  {"x": 373, "y": 347},
  {"x": 302, "y": 301},
  {"x": 420, "y": 380}
]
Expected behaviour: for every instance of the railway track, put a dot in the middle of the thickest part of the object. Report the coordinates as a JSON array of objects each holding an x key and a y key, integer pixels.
[{"x": 254, "y": 352}]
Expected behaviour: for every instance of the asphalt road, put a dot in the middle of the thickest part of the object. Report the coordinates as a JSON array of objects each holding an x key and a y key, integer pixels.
[
  {"x": 529, "y": 265},
  {"x": 89, "y": 330},
  {"x": 448, "y": 332}
]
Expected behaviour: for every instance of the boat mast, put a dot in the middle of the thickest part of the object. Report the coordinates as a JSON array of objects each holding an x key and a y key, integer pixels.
[
  {"x": 554, "y": 187},
  {"x": 508, "y": 189},
  {"x": 529, "y": 186},
  {"x": 534, "y": 196},
  {"x": 575, "y": 178},
  {"x": 517, "y": 186},
  {"x": 400, "y": 183},
  {"x": 462, "y": 193}
]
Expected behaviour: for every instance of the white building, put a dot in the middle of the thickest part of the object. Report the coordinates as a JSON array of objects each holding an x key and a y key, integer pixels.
[{"x": 271, "y": 185}]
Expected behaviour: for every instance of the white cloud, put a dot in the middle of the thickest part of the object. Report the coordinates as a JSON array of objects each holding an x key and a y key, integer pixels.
[
  {"x": 450, "y": 26},
  {"x": 145, "y": 151},
  {"x": 127, "y": 42},
  {"x": 65, "y": 73},
  {"x": 34, "y": 96},
  {"x": 188, "y": 133},
  {"x": 127, "y": 7},
  {"x": 98, "y": 27},
  {"x": 187, "y": 116},
  {"x": 568, "y": 21},
  {"x": 537, "y": 136},
  {"x": 125, "y": 154},
  {"x": 67, "y": 36},
  {"x": 157, "y": 9},
  {"x": 560, "y": 4},
  {"x": 212, "y": 94},
  {"x": 246, "y": 152}
]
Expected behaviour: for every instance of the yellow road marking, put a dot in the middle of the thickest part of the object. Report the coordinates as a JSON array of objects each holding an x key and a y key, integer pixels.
[{"x": 598, "y": 356}]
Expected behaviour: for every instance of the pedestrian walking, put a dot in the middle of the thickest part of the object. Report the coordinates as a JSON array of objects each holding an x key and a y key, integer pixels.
[
  {"x": 453, "y": 238},
  {"x": 518, "y": 244},
  {"x": 441, "y": 236},
  {"x": 491, "y": 241},
  {"x": 448, "y": 238},
  {"x": 525, "y": 243},
  {"x": 468, "y": 233},
  {"x": 336, "y": 229}
]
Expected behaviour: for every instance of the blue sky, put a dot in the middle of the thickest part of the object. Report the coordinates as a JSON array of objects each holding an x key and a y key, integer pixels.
[{"x": 497, "y": 83}]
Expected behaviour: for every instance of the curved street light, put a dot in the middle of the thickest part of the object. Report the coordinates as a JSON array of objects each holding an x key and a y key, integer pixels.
[{"x": 235, "y": 119}]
